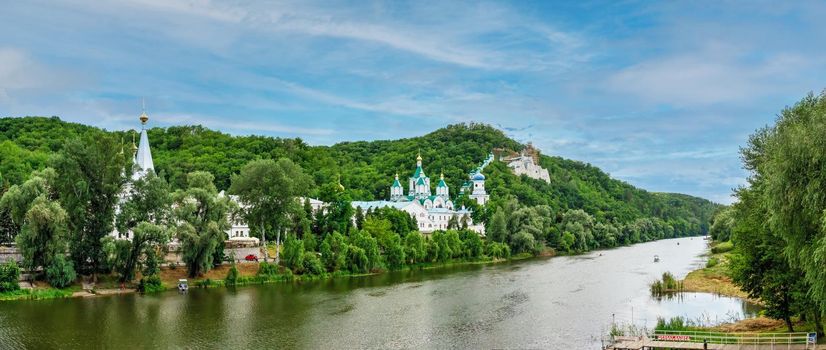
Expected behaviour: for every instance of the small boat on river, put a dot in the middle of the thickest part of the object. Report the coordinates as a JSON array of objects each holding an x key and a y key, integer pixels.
[
  {"x": 183, "y": 286},
  {"x": 656, "y": 258}
]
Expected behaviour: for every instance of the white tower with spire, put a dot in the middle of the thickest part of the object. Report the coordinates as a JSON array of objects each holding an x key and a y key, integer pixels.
[{"x": 143, "y": 155}]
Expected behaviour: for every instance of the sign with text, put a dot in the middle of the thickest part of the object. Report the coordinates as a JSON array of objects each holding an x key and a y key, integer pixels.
[{"x": 673, "y": 337}]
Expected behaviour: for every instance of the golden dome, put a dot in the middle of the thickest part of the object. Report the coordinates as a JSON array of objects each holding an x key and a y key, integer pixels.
[
  {"x": 144, "y": 118},
  {"x": 419, "y": 157}
]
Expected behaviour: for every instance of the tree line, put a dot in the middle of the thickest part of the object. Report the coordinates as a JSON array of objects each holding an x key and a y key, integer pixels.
[{"x": 778, "y": 225}]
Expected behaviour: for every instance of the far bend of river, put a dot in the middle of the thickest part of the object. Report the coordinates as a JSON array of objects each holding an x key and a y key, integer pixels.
[{"x": 557, "y": 303}]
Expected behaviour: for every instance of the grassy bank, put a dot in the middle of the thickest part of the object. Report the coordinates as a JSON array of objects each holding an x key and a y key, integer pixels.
[
  {"x": 248, "y": 274},
  {"x": 37, "y": 294},
  {"x": 714, "y": 278}
]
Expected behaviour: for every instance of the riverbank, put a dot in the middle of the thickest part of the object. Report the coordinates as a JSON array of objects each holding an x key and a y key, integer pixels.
[
  {"x": 714, "y": 278},
  {"x": 216, "y": 277}
]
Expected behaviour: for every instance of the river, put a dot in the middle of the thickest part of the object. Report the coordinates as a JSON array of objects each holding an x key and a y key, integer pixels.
[{"x": 558, "y": 303}]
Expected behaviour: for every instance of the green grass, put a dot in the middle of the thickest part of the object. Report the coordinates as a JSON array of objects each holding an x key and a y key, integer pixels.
[
  {"x": 668, "y": 284},
  {"x": 723, "y": 247},
  {"x": 37, "y": 294}
]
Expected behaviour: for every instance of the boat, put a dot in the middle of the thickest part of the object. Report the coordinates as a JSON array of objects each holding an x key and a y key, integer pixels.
[
  {"x": 183, "y": 286},
  {"x": 656, "y": 258}
]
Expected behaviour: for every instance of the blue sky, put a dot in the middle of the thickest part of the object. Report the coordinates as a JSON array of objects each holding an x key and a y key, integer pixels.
[{"x": 658, "y": 94}]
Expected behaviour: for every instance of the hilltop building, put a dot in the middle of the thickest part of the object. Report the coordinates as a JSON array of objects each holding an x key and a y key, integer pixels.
[
  {"x": 526, "y": 163},
  {"x": 431, "y": 211}
]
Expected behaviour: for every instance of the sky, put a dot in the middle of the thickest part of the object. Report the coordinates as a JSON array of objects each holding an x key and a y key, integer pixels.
[{"x": 658, "y": 94}]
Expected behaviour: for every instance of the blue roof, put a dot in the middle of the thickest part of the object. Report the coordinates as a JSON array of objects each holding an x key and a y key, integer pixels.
[
  {"x": 419, "y": 172},
  {"x": 478, "y": 176}
]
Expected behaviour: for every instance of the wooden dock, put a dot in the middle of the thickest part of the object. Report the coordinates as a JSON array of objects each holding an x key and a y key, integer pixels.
[{"x": 717, "y": 341}]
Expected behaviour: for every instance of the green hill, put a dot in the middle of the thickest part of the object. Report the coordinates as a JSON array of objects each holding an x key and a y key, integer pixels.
[{"x": 366, "y": 169}]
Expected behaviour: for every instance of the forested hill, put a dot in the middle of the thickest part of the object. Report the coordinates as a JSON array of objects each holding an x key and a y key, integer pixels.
[{"x": 366, "y": 169}]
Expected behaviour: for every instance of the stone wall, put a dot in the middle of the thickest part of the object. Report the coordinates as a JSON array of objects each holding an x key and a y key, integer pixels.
[{"x": 10, "y": 253}]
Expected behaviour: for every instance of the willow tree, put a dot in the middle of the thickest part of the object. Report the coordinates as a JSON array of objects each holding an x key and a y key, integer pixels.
[
  {"x": 788, "y": 164},
  {"x": 202, "y": 216},
  {"x": 91, "y": 176},
  {"x": 43, "y": 235}
]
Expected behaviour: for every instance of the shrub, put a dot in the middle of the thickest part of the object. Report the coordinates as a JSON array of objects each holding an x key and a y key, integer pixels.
[
  {"x": 712, "y": 262},
  {"x": 722, "y": 248},
  {"x": 668, "y": 284},
  {"x": 150, "y": 284},
  {"x": 266, "y": 269},
  {"x": 498, "y": 250},
  {"x": 9, "y": 275},
  {"x": 232, "y": 276},
  {"x": 677, "y": 323},
  {"x": 60, "y": 273},
  {"x": 312, "y": 264}
]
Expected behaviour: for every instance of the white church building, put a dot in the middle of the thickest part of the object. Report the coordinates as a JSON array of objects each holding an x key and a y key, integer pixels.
[
  {"x": 143, "y": 165},
  {"x": 431, "y": 211}
]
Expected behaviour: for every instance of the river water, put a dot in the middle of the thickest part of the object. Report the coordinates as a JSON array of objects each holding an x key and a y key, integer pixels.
[{"x": 557, "y": 303}]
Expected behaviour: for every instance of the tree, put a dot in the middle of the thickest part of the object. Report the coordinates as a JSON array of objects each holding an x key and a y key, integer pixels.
[
  {"x": 202, "y": 217},
  {"x": 415, "y": 249},
  {"x": 9, "y": 276},
  {"x": 44, "y": 234},
  {"x": 394, "y": 252},
  {"x": 147, "y": 241},
  {"x": 61, "y": 272},
  {"x": 786, "y": 190},
  {"x": 91, "y": 175},
  {"x": 17, "y": 200},
  {"x": 473, "y": 245},
  {"x": 453, "y": 223},
  {"x": 334, "y": 252},
  {"x": 497, "y": 231},
  {"x": 758, "y": 266},
  {"x": 269, "y": 191},
  {"x": 359, "y": 218},
  {"x": 148, "y": 199},
  {"x": 293, "y": 255}
]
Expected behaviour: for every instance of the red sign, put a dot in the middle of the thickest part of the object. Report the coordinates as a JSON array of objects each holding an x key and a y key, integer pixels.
[{"x": 670, "y": 337}]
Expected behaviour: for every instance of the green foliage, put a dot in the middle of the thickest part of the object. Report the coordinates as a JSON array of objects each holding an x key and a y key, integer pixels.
[
  {"x": 9, "y": 275},
  {"x": 779, "y": 234},
  {"x": 149, "y": 199},
  {"x": 270, "y": 191},
  {"x": 677, "y": 323},
  {"x": 712, "y": 262},
  {"x": 721, "y": 224},
  {"x": 498, "y": 250},
  {"x": 334, "y": 252},
  {"x": 232, "y": 276},
  {"x": 44, "y": 233},
  {"x": 668, "y": 284},
  {"x": 202, "y": 222},
  {"x": 367, "y": 245},
  {"x": 292, "y": 254},
  {"x": 151, "y": 284},
  {"x": 266, "y": 269},
  {"x": 60, "y": 273},
  {"x": 415, "y": 249},
  {"x": 366, "y": 169},
  {"x": 311, "y": 264},
  {"x": 148, "y": 241},
  {"x": 497, "y": 231},
  {"x": 90, "y": 177},
  {"x": 472, "y": 244},
  {"x": 723, "y": 247}
]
